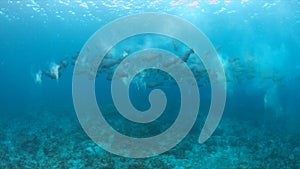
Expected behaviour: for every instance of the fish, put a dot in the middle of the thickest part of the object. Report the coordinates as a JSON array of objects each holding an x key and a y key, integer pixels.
[
  {"x": 54, "y": 72},
  {"x": 187, "y": 54},
  {"x": 154, "y": 84},
  {"x": 63, "y": 63},
  {"x": 74, "y": 58},
  {"x": 106, "y": 63},
  {"x": 109, "y": 77},
  {"x": 108, "y": 55},
  {"x": 175, "y": 46},
  {"x": 233, "y": 59},
  {"x": 38, "y": 77},
  {"x": 218, "y": 48},
  {"x": 49, "y": 74},
  {"x": 125, "y": 52},
  {"x": 110, "y": 62}
]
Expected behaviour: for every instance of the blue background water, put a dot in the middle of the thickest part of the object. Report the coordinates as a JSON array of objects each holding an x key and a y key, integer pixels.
[{"x": 36, "y": 33}]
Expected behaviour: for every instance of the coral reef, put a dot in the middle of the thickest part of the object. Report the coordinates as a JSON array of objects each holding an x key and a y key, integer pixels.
[{"x": 58, "y": 142}]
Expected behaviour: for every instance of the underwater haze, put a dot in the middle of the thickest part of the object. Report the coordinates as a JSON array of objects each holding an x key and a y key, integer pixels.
[{"x": 257, "y": 42}]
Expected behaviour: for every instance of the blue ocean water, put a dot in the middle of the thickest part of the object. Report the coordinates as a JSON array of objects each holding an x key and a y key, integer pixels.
[{"x": 257, "y": 41}]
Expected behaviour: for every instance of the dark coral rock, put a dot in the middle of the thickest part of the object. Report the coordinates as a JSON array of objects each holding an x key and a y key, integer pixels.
[
  {"x": 179, "y": 153},
  {"x": 2, "y": 136},
  {"x": 156, "y": 163},
  {"x": 51, "y": 148},
  {"x": 139, "y": 165},
  {"x": 159, "y": 164},
  {"x": 106, "y": 161},
  {"x": 29, "y": 143},
  {"x": 3, "y": 153}
]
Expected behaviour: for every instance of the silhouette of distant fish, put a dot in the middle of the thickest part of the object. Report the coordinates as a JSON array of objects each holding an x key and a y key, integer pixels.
[
  {"x": 175, "y": 46},
  {"x": 237, "y": 69},
  {"x": 187, "y": 54},
  {"x": 154, "y": 84}
]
